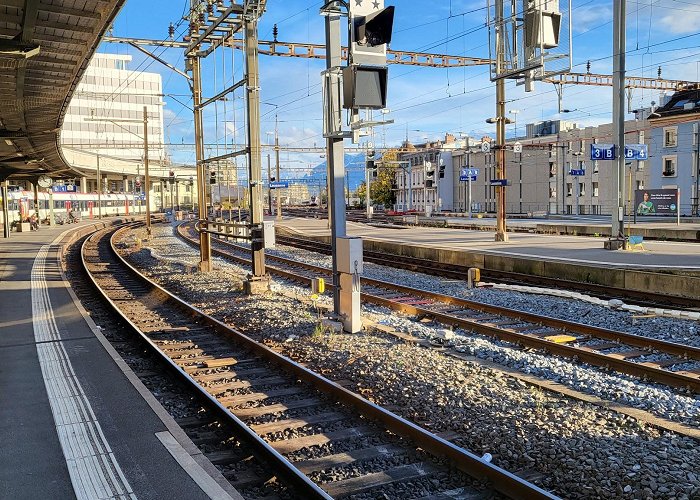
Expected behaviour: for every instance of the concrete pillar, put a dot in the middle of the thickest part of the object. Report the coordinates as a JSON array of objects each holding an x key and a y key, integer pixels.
[{"x": 83, "y": 185}]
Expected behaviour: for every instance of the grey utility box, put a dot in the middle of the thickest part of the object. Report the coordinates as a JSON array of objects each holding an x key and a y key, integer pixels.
[
  {"x": 269, "y": 233},
  {"x": 349, "y": 250}
]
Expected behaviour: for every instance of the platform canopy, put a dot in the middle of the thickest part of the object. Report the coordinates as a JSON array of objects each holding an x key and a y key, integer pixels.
[{"x": 45, "y": 46}]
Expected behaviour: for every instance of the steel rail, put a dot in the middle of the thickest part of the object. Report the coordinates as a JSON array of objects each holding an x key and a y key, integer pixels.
[
  {"x": 499, "y": 479},
  {"x": 286, "y": 469},
  {"x": 459, "y": 272},
  {"x": 644, "y": 371}
]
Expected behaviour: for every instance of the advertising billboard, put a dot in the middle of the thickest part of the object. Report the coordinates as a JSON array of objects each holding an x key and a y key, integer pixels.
[{"x": 656, "y": 202}]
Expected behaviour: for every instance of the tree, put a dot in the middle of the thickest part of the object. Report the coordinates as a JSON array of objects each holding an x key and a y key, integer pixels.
[{"x": 383, "y": 187}]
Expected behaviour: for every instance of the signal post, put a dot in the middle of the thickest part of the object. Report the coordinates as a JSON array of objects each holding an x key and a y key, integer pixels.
[{"x": 359, "y": 85}]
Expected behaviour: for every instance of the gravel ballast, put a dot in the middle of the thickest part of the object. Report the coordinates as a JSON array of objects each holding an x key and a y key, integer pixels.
[{"x": 576, "y": 449}]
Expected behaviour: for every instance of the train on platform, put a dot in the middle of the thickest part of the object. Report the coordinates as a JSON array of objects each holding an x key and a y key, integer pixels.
[{"x": 81, "y": 205}]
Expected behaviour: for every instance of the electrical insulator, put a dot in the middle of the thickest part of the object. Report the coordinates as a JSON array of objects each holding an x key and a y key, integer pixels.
[
  {"x": 171, "y": 31},
  {"x": 275, "y": 32},
  {"x": 191, "y": 180},
  {"x": 659, "y": 72},
  {"x": 588, "y": 67},
  {"x": 210, "y": 8},
  {"x": 201, "y": 18}
]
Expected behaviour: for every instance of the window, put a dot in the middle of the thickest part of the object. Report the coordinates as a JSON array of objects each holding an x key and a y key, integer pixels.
[
  {"x": 670, "y": 137},
  {"x": 581, "y": 189},
  {"x": 640, "y": 185},
  {"x": 595, "y": 167},
  {"x": 595, "y": 188},
  {"x": 552, "y": 192},
  {"x": 569, "y": 188},
  {"x": 669, "y": 166}
]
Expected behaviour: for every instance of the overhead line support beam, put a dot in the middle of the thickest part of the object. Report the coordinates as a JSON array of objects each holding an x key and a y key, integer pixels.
[
  {"x": 223, "y": 93},
  {"x": 237, "y": 9}
]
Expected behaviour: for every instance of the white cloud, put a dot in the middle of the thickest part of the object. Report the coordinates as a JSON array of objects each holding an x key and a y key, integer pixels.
[{"x": 680, "y": 22}]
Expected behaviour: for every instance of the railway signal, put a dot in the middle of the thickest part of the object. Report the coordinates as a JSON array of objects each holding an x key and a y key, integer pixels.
[{"x": 363, "y": 84}]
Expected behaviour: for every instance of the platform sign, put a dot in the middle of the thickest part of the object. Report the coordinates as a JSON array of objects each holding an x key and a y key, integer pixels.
[
  {"x": 486, "y": 147},
  {"x": 499, "y": 182},
  {"x": 636, "y": 152},
  {"x": 467, "y": 174},
  {"x": 603, "y": 152},
  {"x": 577, "y": 172},
  {"x": 279, "y": 184},
  {"x": 64, "y": 188},
  {"x": 517, "y": 148}
]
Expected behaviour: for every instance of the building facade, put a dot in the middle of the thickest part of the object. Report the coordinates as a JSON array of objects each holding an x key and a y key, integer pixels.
[
  {"x": 424, "y": 176},
  {"x": 104, "y": 127},
  {"x": 674, "y": 152},
  {"x": 541, "y": 178}
]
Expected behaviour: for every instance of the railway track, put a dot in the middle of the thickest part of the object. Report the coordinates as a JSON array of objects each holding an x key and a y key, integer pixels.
[
  {"x": 324, "y": 440},
  {"x": 455, "y": 271},
  {"x": 643, "y": 357},
  {"x": 212, "y": 435}
]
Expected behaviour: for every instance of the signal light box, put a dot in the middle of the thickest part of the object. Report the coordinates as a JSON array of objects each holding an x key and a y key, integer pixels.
[{"x": 365, "y": 87}]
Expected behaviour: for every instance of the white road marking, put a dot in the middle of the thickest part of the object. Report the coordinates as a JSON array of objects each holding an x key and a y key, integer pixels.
[{"x": 93, "y": 468}]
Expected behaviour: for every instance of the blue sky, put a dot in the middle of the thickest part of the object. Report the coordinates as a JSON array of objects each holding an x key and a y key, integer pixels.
[{"x": 424, "y": 102}]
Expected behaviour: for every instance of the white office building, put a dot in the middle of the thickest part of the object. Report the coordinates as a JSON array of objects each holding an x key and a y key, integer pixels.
[{"x": 104, "y": 122}]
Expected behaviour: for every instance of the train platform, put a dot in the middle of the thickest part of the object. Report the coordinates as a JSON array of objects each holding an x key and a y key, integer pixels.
[
  {"x": 655, "y": 255},
  {"x": 647, "y": 227},
  {"x": 673, "y": 267},
  {"x": 75, "y": 421}
]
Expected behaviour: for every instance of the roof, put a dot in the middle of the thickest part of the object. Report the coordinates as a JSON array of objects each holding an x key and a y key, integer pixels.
[
  {"x": 685, "y": 102},
  {"x": 45, "y": 46}
]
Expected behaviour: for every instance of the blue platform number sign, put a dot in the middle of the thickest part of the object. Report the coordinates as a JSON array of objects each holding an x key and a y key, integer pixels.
[
  {"x": 603, "y": 152},
  {"x": 64, "y": 188},
  {"x": 636, "y": 152},
  {"x": 467, "y": 174}
]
